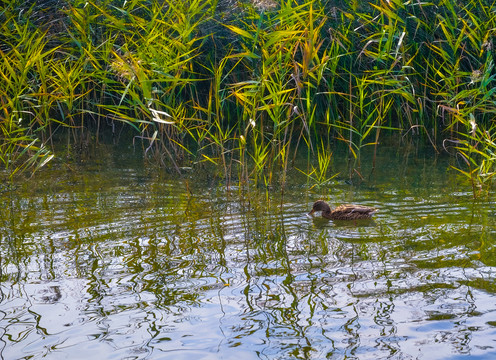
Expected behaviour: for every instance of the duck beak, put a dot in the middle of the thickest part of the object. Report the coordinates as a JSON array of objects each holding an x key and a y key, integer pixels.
[{"x": 311, "y": 212}]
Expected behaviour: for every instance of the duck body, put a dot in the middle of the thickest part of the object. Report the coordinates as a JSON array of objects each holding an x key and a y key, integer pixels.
[{"x": 343, "y": 212}]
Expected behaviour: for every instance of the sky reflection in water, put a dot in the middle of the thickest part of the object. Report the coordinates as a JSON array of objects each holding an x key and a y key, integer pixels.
[{"x": 114, "y": 261}]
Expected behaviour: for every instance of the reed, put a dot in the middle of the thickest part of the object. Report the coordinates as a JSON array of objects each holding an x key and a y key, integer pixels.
[
  {"x": 24, "y": 95},
  {"x": 247, "y": 85},
  {"x": 319, "y": 175}
]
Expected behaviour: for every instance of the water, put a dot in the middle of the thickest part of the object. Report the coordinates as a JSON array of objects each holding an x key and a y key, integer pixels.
[{"x": 111, "y": 259}]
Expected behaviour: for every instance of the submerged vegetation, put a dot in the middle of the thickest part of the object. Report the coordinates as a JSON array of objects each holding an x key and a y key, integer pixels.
[{"x": 246, "y": 84}]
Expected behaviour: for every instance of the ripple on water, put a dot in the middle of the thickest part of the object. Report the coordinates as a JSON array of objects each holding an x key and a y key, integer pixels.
[{"x": 126, "y": 265}]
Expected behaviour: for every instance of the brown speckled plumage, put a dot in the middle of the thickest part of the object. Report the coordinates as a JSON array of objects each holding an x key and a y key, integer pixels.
[{"x": 343, "y": 212}]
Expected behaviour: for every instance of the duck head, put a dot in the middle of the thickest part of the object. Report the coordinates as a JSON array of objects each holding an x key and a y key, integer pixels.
[{"x": 320, "y": 205}]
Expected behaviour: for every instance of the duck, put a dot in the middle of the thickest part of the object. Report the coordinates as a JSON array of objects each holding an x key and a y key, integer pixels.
[{"x": 342, "y": 212}]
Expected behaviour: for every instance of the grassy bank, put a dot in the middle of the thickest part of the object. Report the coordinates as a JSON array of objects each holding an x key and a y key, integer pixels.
[{"x": 244, "y": 84}]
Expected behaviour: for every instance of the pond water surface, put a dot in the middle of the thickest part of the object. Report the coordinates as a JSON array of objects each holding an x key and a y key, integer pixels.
[{"x": 110, "y": 259}]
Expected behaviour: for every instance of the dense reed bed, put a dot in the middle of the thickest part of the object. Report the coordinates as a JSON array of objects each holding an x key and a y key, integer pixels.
[{"x": 246, "y": 84}]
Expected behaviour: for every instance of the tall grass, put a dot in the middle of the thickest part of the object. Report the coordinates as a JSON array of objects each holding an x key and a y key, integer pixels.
[
  {"x": 245, "y": 85},
  {"x": 25, "y": 96}
]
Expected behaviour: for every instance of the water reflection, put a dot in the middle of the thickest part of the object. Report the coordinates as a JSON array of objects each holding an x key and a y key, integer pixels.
[{"x": 113, "y": 263}]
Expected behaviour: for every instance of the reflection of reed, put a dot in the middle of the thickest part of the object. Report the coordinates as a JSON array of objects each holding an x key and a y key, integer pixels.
[{"x": 143, "y": 265}]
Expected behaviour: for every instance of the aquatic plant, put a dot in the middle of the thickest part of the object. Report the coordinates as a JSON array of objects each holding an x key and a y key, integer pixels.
[
  {"x": 25, "y": 96},
  {"x": 319, "y": 175},
  {"x": 246, "y": 85}
]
